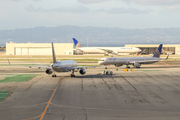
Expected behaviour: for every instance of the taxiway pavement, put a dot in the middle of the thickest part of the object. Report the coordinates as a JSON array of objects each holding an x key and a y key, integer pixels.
[{"x": 145, "y": 94}]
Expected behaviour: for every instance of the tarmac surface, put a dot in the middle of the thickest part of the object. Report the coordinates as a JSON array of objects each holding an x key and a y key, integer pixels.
[{"x": 148, "y": 93}]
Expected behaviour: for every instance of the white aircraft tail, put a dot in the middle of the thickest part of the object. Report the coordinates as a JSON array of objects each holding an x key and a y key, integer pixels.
[{"x": 53, "y": 53}]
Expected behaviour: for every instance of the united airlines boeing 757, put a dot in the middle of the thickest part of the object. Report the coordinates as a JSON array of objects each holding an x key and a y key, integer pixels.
[
  {"x": 106, "y": 50},
  {"x": 62, "y": 66},
  {"x": 135, "y": 61}
]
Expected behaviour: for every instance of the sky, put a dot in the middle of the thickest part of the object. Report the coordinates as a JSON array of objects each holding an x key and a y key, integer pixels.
[{"x": 128, "y": 14}]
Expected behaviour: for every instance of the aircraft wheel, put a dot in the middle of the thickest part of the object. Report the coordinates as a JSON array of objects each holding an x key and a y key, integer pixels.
[
  {"x": 72, "y": 75},
  {"x": 52, "y": 75}
]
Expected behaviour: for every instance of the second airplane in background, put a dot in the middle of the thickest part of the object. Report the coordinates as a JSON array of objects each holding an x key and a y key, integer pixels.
[
  {"x": 105, "y": 50},
  {"x": 135, "y": 61}
]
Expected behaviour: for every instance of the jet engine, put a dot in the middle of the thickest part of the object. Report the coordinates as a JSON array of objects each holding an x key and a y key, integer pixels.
[
  {"x": 49, "y": 71},
  {"x": 117, "y": 65},
  {"x": 136, "y": 65},
  {"x": 82, "y": 71}
]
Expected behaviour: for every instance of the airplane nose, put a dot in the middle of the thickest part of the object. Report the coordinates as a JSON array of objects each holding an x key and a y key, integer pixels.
[{"x": 100, "y": 62}]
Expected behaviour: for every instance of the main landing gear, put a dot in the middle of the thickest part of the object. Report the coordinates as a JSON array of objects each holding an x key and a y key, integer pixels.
[
  {"x": 72, "y": 75},
  {"x": 54, "y": 75},
  {"x": 137, "y": 67},
  {"x": 127, "y": 66}
]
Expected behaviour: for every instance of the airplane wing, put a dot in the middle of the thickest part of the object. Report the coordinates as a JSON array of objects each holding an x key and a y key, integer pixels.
[
  {"x": 39, "y": 67},
  {"x": 109, "y": 51},
  {"x": 144, "y": 61},
  {"x": 84, "y": 67},
  {"x": 31, "y": 65},
  {"x": 79, "y": 50}
]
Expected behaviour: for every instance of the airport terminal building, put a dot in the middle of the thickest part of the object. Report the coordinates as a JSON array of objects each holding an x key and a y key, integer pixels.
[
  {"x": 38, "y": 48},
  {"x": 150, "y": 48}
]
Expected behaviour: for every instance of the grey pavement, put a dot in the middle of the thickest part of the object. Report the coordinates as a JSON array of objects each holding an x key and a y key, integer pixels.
[{"x": 147, "y": 93}]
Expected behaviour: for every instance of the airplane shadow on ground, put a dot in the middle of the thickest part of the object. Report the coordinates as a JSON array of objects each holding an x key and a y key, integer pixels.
[
  {"x": 158, "y": 67},
  {"x": 144, "y": 67},
  {"x": 91, "y": 76}
]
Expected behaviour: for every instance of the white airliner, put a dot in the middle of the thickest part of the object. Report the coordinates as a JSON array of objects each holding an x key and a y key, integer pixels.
[
  {"x": 62, "y": 66},
  {"x": 135, "y": 61},
  {"x": 106, "y": 50}
]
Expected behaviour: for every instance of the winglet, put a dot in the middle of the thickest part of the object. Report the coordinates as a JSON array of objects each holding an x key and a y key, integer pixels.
[
  {"x": 8, "y": 61},
  {"x": 53, "y": 53},
  {"x": 158, "y": 51},
  {"x": 76, "y": 43}
]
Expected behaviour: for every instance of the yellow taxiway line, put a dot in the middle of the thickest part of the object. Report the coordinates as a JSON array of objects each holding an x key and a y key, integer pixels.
[{"x": 49, "y": 102}]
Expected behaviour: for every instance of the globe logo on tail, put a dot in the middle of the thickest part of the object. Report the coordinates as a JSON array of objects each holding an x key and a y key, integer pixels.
[{"x": 78, "y": 45}]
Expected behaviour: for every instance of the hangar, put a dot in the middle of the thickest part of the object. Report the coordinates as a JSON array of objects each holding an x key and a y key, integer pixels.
[
  {"x": 150, "y": 48},
  {"x": 38, "y": 48}
]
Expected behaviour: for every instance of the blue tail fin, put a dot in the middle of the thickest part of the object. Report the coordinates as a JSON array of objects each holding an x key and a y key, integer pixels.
[
  {"x": 76, "y": 43},
  {"x": 158, "y": 51}
]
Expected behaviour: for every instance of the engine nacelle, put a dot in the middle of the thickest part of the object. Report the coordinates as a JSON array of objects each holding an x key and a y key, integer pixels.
[
  {"x": 117, "y": 65},
  {"x": 82, "y": 71},
  {"x": 49, "y": 71},
  {"x": 136, "y": 64}
]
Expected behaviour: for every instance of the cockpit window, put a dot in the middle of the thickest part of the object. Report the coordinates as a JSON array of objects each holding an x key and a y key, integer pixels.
[{"x": 102, "y": 60}]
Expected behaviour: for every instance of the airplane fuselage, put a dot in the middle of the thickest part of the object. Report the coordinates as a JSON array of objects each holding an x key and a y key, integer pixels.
[
  {"x": 63, "y": 66},
  {"x": 115, "y": 49},
  {"x": 128, "y": 60}
]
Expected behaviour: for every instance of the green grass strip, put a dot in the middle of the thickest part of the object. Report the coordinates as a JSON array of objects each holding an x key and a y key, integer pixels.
[
  {"x": 4, "y": 94},
  {"x": 21, "y": 65},
  {"x": 50, "y": 60},
  {"x": 18, "y": 78}
]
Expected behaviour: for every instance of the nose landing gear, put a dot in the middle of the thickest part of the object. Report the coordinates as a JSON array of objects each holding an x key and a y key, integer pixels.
[{"x": 72, "y": 75}]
